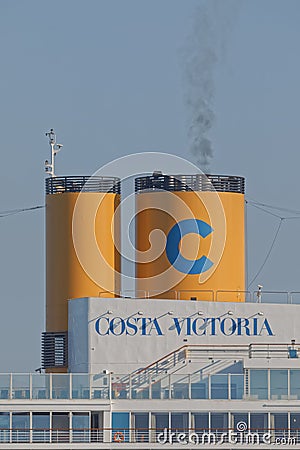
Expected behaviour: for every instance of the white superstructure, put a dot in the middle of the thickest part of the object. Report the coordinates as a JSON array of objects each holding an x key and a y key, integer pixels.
[{"x": 153, "y": 374}]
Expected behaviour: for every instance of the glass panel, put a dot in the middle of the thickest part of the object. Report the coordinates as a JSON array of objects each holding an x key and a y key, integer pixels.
[
  {"x": 237, "y": 387},
  {"x": 180, "y": 386},
  {"x": 199, "y": 386},
  {"x": 200, "y": 422},
  {"x": 279, "y": 384},
  {"x": 60, "y": 427},
  {"x": 4, "y": 386},
  {"x": 120, "y": 427},
  {"x": 279, "y": 425},
  {"x": 259, "y": 422},
  {"x": 219, "y": 386},
  {"x": 259, "y": 425},
  {"x": 179, "y": 423},
  {"x": 235, "y": 368},
  {"x": 259, "y": 383},
  {"x": 237, "y": 418},
  {"x": 60, "y": 386},
  {"x": 141, "y": 427},
  {"x": 81, "y": 425},
  {"x": 120, "y": 387},
  {"x": 80, "y": 386},
  {"x": 97, "y": 426},
  {"x": 295, "y": 425},
  {"x": 41, "y": 386},
  {"x": 41, "y": 427},
  {"x": 20, "y": 427},
  {"x": 157, "y": 388},
  {"x": 295, "y": 383},
  {"x": 4, "y": 420},
  {"x": 140, "y": 385},
  {"x": 219, "y": 422},
  {"x": 100, "y": 386},
  {"x": 161, "y": 387},
  {"x": 161, "y": 421},
  {"x": 20, "y": 386},
  {"x": 4, "y": 427}
]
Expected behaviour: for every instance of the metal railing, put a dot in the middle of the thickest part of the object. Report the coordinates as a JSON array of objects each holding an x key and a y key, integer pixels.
[
  {"x": 48, "y": 435},
  {"x": 197, "y": 182},
  {"x": 220, "y": 295},
  {"x": 163, "y": 379},
  {"x": 267, "y": 436},
  {"x": 59, "y": 185}
]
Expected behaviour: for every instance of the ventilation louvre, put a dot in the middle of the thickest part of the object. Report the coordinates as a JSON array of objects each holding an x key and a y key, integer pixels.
[{"x": 54, "y": 349}]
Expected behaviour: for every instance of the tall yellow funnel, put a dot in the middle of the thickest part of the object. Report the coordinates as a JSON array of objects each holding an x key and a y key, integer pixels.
[
  {"x": 190, "y": 237},
  {"x": 66, "y": 277}
]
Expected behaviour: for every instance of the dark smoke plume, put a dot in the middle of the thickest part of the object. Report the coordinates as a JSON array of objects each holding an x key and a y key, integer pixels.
[{"x": 212, "y": 21}]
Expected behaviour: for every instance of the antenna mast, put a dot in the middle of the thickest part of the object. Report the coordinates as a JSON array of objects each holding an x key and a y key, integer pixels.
[{"x": 55, "y": 148}]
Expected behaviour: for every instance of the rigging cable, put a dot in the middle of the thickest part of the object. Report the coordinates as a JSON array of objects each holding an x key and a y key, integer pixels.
[
  {"x": 12, "y": 212},
  {"x": 269, "y": 252},
  {"x": 265, "y": 208},
  {"x": 278, "y": 208}
]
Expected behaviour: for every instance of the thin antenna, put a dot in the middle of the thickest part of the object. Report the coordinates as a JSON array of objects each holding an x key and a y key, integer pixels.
[{"x": 55, "y": 148}]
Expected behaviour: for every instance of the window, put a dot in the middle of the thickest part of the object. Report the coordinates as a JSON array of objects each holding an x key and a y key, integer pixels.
[
  {"x": 295, "y": 383},
  {"x": 4, "y": 420},
  {"x": 120, "y": 424},
  {"x": 237, "y": 386},
  {"x": 20, "y": 427},
  {"x": 200, "y": 422},
  {"x": 295, "y": 425},
  {"x": 60, "y": 386},
  {"x": 279, "y": 424},
  {"x": 180, "y": 422},
  {"x": 40, "y": 386},
  {"x": 160, "y": 421},
  {"x": 20, "y": 386},
  {"x": 80, "y": 386},
  {"x": 99, "y": 386},
  {"x": 259, "y": 422},
  {"x": 180, "y": 386},
  {"x": 237, "y": 418},
  {"x": 199, "y": 389},
  {"x": 219, "y": 421},
  {"x": 60, "y": 427},
  {"x": 140, "y": 424},
  {"x": 219, "y": 386},
  {"x": 4, "y": 427},
  {"x": 80, "y": 426},
  {"x": 97, "y": 426},
  {"x": 4, "y": 386},
  {"x": 259, "y": 383},
  {"x": 41, "y": 427},
  {"x": 278, "y": 384}
]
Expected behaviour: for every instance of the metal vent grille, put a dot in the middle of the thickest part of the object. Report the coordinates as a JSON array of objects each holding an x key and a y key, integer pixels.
[
  {"x": 59, "y": 185},
  {"x": 54, "y": 349},
  {"x": 198, "y": 182}
]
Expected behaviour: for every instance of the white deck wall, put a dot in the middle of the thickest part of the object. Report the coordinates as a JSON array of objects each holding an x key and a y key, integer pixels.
[{"x": 121, "y": 335}]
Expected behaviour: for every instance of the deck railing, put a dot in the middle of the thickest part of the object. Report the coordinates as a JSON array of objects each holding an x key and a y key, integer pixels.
[
  {"x": 207, "y": 382},
  {"x": 144, "y": 436},
  {"x": 221, "y": 295}
]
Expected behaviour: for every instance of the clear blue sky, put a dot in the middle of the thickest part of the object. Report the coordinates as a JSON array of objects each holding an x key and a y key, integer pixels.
[{"x": 108, "y": 76}]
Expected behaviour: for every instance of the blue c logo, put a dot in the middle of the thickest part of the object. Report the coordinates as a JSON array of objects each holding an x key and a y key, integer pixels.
[{"x": 174, "y": 237}]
